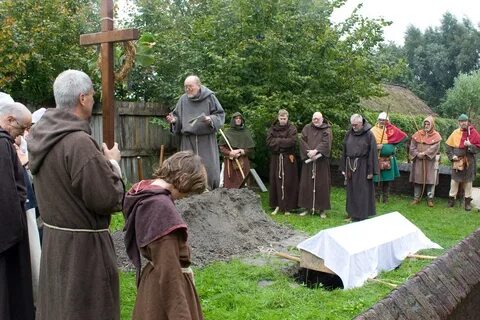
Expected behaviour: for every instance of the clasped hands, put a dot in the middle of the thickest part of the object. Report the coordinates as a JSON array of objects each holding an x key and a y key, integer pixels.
[{"x": 236, "y": 153}]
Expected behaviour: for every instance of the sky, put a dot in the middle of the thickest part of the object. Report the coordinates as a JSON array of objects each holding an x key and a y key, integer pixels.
[{"x": 420, "y": 13}]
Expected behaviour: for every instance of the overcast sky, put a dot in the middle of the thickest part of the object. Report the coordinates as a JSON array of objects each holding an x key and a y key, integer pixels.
[{"x": 420, "y": 13}]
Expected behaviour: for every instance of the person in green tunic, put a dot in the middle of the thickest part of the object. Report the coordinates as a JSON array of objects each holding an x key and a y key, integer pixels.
[
  {"x": 388, "y": 138},
  {"x": 241, "y": 141}
]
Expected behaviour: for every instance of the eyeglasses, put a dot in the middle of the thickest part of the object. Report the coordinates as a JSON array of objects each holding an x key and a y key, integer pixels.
[{"x": 22, "y": 127}]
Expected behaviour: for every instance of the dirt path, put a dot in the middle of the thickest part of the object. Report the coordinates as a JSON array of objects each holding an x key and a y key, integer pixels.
[{"x": 223, "y": 224}]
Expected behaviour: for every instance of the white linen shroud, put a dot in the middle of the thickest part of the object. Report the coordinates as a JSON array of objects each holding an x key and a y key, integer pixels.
[{"x": 360, "y": 250}]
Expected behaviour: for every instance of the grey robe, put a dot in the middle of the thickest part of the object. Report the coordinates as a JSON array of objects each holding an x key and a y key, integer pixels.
[
  {"x": 319, "y": 138},
  {"x": 76, "y": 188},
  {"x": 359, "y": 159},
  {"x": 199, "y": 136},
  {"x": 470, "y": 172}
]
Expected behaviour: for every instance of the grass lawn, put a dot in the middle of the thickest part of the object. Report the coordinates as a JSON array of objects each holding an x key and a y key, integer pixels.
[{"x": 238, "y": 290}]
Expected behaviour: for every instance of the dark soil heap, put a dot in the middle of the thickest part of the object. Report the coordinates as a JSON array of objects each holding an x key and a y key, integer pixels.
[{"x": 222, "y": 224}]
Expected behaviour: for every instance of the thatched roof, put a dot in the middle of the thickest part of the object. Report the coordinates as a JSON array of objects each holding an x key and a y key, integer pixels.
[{"x": 400, "y": 99}]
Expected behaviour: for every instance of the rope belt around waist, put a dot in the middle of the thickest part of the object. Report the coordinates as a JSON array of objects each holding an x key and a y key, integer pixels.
[
  {"x": 184, "y": 270},
  {"x": 75, "y": 230}
]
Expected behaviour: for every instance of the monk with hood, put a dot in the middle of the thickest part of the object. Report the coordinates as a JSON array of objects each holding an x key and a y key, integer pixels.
[{"x": 241, "y": 141}]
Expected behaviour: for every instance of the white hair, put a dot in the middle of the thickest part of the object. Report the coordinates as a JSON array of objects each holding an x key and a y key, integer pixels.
[
  {"x": 15, "y": 109},
  {"x": 68, "y": 86},
  {"x": 356, "y": 118},
  {"x": 5, "y": 98}
]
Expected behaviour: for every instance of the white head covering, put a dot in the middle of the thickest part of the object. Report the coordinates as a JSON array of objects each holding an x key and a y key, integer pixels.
[
  {"x": 382, "y": 116},
  {"x": 37, "y": 115},
  {"x": 5, "y": 98}
]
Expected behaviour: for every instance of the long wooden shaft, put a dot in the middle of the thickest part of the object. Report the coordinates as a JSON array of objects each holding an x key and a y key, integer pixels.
[
  {"x": 231, "y": 149},
  {"x": 162, "y": 153},
  {"x": 287, "y": 256},
  {"x": 140, "y": 168},
  {"x": 107, "y": 76}
]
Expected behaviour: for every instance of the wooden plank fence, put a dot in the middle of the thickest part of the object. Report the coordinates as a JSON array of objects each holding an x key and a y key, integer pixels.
[{"x": 137, "y": 136}]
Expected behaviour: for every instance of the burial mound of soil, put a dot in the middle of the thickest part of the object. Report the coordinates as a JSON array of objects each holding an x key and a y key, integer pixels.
[{"x": 225, "y": 223}]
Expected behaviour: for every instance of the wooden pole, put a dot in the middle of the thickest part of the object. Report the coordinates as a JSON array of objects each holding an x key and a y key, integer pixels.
[
  {"x": 162, "y": 153},
  {"x": 139, "y": 168},
  {"x": 419, "y": 256},
  {"x": 287, "y": 256},
  {"x": 107, "y": 76},
  {"x": 231, "y": 149}
]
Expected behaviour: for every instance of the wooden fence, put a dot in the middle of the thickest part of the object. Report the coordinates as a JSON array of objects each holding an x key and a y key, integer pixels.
[{"x": 137, "y": 136}]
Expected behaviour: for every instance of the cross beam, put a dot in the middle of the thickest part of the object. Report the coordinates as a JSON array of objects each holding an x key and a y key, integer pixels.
[{"x": 106, "y": 38}]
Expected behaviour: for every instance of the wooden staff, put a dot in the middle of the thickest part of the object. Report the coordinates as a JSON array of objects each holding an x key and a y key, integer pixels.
[
  {"x": 162, "y": 152},
  {"x": 140, "y": 168},
  {"x": 231, "y": 149}
]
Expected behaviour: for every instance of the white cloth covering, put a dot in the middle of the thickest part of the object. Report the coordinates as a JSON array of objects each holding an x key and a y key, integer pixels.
[
  {"x": 35, "y": 250},
  {"x": 360, "y": 250}
]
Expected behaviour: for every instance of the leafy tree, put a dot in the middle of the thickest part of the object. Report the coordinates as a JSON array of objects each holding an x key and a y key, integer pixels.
[
  {"x": 39, "y": 39},
  {"x": 260, "y": 56},
  {"x": 438, "y": 55},
  {"x": 464, "y": 96}
]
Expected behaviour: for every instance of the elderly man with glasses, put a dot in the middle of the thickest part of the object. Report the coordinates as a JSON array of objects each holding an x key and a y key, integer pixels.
[{"x": 16, "y": 295}]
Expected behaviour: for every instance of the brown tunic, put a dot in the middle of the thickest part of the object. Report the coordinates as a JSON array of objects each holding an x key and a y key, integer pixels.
[
  {"x": 155, "y": 229},
  {"x": 232, "y": 177},
  {"x": 359, "y": 160},
  {"x": 76, "y": 188},
  {"x": 281, "y": 141},
  {"x": 165, "y": 292},
  {"x": 315, "y": 179}
]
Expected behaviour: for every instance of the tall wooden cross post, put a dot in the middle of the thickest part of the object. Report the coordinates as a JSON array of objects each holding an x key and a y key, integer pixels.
[{"x": 106, "y": 38}]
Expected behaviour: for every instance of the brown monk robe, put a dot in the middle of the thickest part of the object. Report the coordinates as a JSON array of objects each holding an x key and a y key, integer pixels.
[
  {"x": 314, "y": 186},
  {"x": 281, "y": 141},
  {"x": 242, "y": 143},
  {"x": 156, "y": 230}
]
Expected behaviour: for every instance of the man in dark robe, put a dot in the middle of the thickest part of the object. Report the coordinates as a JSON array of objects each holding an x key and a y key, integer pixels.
[
  {"x": 16, "y": 295},
  {"x": 196, "y": 118},
  {"x": 424, "y": 152},
  {"x": 359, "y": 164},
  {"x": 281, "y": 141},
  {"x": 241, "y": 141},
  {"x": 315, "y": 148},
  {"x": 462, "y": 147},
  {"x": 78, "y": 188}
]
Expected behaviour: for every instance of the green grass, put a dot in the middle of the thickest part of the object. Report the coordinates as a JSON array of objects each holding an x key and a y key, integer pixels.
[{"x": 232, "y": 291}]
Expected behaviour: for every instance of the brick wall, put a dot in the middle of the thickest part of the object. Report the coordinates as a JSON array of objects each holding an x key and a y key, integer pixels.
[
  {"x": 449, "y": 288},
  {"x": 401, "y": 185}
]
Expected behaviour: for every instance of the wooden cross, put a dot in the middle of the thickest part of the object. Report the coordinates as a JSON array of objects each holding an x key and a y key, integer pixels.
[{"x": 106, "y": 38}]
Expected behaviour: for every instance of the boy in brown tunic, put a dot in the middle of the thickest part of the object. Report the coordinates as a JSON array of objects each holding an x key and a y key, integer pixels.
[{"x": 156, "y": 230}]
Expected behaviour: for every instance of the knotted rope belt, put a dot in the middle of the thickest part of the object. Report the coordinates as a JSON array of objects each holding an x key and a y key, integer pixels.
[{"x": 75, "y": 230}]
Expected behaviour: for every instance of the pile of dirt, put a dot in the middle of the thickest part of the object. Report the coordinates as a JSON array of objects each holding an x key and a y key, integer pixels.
[{"x": 223, "y": 224}]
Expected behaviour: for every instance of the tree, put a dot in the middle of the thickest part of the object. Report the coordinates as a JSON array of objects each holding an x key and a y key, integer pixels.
[
  {"x": 260, "y": 56},
  {"x": 464, "y": 96},
  {"x": 39, "y": 39}
]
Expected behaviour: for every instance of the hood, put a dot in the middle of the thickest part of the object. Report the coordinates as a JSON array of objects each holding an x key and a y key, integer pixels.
[
  {"x": 44, "y": 135},
  {"x": 366, "y": 127},
  {"x": 204, "y": 94},
  {"x": 139, "y": 192},
  {"x": 232, "y": 121},
  {"x": 5, "y": 135}
]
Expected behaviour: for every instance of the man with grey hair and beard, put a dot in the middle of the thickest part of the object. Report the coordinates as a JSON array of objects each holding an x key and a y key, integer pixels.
[
  {"x": 196, "y": 118},
  {"x": 16, "y": 295},
  {"x": 358, "y": 165},
  {"x": 78, "y": 187}
]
